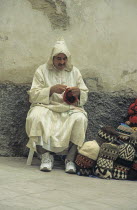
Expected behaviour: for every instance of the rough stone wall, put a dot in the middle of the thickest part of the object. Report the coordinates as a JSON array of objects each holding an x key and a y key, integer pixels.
[
  {"x": 14, "y": 106},
  {"x": 109, "y": 108}
]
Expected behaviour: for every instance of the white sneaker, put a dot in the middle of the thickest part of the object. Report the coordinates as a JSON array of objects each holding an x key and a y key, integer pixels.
[
  {"x": 70, "y": 167},
  {"x": 46, "y": 162}
]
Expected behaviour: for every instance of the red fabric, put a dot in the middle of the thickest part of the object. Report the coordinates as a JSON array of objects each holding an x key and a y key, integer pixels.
[
  {"x": 132, "y": 112},
  {"x": 69, "y": 98},
  {"x": 133, "y": 119}
]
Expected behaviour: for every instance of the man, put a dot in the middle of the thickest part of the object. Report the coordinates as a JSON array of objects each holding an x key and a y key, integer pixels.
[{"x": 52, "y": 124}]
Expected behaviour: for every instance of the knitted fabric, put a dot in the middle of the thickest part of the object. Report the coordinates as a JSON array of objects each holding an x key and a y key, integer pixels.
[
  {"x": 133, "y": 140},
  {"x": 84, "y": 172},
  {"x": 104, "y": 167},
  {"x": 68, "y": 97},
  {"x": 84, "y": 162},
  {"x": 108, "y": 133},
  {"x": 132, "y": 173},
  {"x": 124, "y": 161},
  {"x": 84, "y": 165},
  {"x": 86, "y": 158},
  {"x": 90, "y": 149},
  {"x": 124, "y": 132},
  {"x": 120, "y": 172},
  {"x": 105, "y": 163},
  {"x": 108, "y": 151},
  {"x": 126, "y": 152},
  {"x": 103, "y": 172}
]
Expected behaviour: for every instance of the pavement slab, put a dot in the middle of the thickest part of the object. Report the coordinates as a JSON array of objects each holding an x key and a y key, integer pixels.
[{"x": 26, "y": 187}]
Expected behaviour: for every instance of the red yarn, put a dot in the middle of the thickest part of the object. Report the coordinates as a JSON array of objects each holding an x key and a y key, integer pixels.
[
  {"x": 69, "y": 98},
  {"x": 132, "y": 112}
]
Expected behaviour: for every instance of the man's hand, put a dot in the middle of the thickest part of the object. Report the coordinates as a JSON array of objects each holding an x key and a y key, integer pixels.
[
  {"x": 57, "y": 89},
  {"x": 75, "y": 91}
]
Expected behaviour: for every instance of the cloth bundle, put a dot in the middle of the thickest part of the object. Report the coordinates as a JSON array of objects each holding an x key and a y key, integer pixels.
[
  {"x": 68, "y": 97},
  {"x": 132, "y": 113},
  {"x": 108, "y": 133},
  {"x": 86, "y": 158},
  {"x": 124, "y": 161},
  {"x": 132, "y": 173},
  {"x": 104, "y": 167},
  {"x": 124, "y": 132},
  {"x": 133, "y": 140}
]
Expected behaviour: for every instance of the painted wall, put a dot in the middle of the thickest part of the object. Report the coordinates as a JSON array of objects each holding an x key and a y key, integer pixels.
[{"x": 101, "y": 35}]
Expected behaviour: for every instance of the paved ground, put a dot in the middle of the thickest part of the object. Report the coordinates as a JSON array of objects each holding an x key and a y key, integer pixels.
[{"x": 25, "y": 187}]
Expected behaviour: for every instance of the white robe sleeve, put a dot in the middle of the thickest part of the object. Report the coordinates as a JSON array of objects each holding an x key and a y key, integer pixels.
[
  {"x": 83, "y": 91},
  {"x": 39, "y": 93}
]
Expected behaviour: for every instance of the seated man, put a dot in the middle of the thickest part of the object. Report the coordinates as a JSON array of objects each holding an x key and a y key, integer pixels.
[{"x": 54, "y": 123}]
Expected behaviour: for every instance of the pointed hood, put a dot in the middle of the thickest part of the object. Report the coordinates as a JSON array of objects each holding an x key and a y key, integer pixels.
[{"x": 60, "y": 47}]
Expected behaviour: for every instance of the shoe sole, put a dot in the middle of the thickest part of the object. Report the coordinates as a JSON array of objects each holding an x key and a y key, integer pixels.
[
  {"x": 45, "y": 169},
  {"x": 71, "y": 172}
]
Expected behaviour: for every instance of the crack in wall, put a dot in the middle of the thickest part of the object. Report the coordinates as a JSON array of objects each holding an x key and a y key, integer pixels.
[{"x": 55, "y": 11}]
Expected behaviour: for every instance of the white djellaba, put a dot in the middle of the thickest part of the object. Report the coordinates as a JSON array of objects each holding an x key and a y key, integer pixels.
[{"x": 51, "y": 122}]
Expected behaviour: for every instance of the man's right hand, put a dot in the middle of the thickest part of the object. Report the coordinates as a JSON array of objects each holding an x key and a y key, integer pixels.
[{"x": 57, "y": 89}]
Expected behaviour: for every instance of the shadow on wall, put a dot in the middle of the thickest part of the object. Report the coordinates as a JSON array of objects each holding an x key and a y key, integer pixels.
[{"x": 103, "y": 108}]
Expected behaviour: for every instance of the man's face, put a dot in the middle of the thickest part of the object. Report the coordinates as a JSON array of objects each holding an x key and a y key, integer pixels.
[{"x": 60, "y": 61}]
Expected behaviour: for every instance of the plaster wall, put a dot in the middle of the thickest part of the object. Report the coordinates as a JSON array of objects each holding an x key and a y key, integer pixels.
[{"x": 101, "y": 36}]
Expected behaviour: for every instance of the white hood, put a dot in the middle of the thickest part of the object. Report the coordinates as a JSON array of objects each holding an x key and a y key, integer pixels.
[{"x": 60, "y": 47}]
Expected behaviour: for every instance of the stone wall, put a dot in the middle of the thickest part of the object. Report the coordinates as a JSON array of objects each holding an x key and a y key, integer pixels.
[
  {"x": 13, "y": 111},
  {"x": 103, "y": 108}
]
